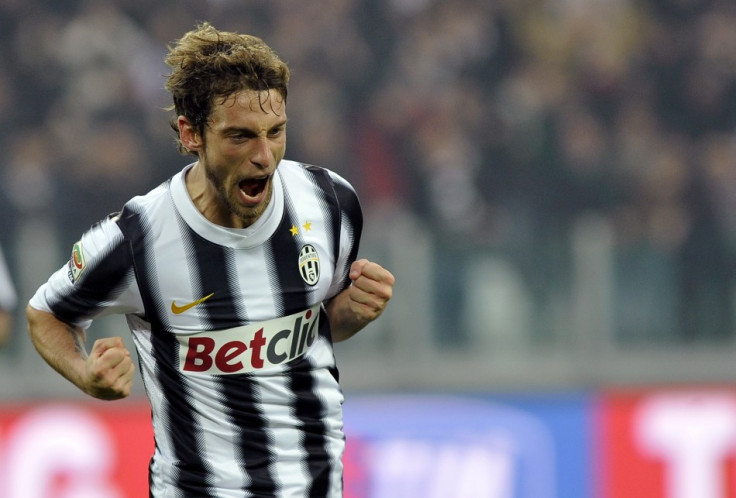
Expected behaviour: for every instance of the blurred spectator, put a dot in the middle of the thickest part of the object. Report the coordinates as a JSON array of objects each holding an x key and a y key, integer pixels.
[
  {"x": 498, "y": 125},
  {"x": 8, "y": 300}
]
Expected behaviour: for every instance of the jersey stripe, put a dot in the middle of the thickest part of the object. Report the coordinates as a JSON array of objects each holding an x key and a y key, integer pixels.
[
  {"x": 282, "y": 256},
  {"x": 212, "y": 270},
  {"x": 329, "y": 205},
  {"x": 116, "y": 259},
  {"x": 352, "y": 220},
  {"x": 176, "y": 413},
  {"x": 253, "y": 442},
  {"x": 307, "y": 407},
  {"x": 308, "y": 410}
]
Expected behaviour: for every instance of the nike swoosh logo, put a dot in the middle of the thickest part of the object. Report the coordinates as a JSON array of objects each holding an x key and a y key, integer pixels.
[{"x": 181, "y": 309}]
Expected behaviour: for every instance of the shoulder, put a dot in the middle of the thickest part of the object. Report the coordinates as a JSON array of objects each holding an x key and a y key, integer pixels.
[
  {"x": 293, "y": 168},
  {"x": 328, "y": 180},
  {"x": 144, "y": 210},
  {"x": 151, "y": 199}
]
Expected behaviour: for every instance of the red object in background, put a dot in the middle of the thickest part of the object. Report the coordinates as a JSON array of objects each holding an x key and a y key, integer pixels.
[
  {"x": 622, "y": 470},
  {"x": 75, "y": 449},
  {"x": 133, "y": 434},
  {"x": 648, "y": 444},
  {"x": 666, "y": 444},
  {"x": 356, "y": 463}
]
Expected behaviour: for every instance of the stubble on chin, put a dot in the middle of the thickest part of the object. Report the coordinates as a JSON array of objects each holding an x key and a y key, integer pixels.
[
  {"x": 230, "y": 207},
  {"x": 248, "y": 216}
]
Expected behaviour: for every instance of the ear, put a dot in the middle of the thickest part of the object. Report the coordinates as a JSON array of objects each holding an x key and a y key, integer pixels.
[{"x": 188, "y": 135}]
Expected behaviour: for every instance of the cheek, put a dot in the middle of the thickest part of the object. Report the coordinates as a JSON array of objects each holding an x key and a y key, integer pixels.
[
  {"x": 226, "y": 158},
  {"x": 279, "y": 151}
]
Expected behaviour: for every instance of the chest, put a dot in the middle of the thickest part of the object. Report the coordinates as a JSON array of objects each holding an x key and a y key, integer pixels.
[{"x": 205, "y": 286}]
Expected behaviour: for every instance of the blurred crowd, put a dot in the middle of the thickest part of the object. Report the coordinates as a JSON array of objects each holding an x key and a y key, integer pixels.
[{"x": 496, "y": 124}]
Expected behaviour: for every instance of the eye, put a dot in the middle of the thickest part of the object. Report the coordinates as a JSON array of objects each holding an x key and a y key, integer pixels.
[
  {"x": 275, "y": 132},
  {"x": 240, "y": 136}
]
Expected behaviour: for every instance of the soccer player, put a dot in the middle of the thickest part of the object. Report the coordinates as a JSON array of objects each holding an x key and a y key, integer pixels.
[
  {"x": 236, "y": 276},
  {"x": 8, "y": 300}
]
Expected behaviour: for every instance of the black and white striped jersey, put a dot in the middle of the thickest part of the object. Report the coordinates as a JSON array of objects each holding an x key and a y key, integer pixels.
[{"x": 231, "y": 334}]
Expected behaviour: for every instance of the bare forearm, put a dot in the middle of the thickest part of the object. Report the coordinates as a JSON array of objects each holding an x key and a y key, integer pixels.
[
  {"x": 344, "y": 323},
  {"x": 61, "y": 345},
  {"x": 105, "y": 373}
]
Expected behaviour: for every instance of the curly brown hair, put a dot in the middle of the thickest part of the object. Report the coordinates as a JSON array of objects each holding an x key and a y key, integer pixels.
[{"x": 207, "y": 64}]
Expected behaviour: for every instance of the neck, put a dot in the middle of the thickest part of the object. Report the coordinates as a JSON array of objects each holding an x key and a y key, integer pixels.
[{"x": 204, "y": 200}]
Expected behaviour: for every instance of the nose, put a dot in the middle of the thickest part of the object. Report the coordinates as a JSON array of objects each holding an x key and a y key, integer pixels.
[{"x": 262, "y": 155}]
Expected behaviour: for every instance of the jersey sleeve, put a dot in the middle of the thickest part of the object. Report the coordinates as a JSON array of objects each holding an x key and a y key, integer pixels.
[
  {"x": 98, "y": 279},
  {"x": 351, "y": 229}
]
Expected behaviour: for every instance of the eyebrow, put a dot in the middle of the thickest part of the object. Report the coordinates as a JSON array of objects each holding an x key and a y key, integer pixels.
[{"x": 243, "y": 129}]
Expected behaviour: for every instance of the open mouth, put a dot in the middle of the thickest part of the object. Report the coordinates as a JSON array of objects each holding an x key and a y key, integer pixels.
[{"x": 253, "y": 187}]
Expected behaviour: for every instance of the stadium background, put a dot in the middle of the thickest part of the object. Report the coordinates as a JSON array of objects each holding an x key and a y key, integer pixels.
[{"x": 553, "y": 182}]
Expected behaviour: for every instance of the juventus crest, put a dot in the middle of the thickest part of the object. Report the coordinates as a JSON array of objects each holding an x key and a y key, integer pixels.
[{"x": 309, "y": 264}]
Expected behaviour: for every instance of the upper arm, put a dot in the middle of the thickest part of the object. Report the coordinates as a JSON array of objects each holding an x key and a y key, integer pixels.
[
  {"x": 96, "y": 278},
  {"x": 351, "y": 229}
]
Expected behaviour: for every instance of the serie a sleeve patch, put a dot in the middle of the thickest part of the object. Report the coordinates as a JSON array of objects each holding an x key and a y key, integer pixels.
[{"x": 77, "y": 262}]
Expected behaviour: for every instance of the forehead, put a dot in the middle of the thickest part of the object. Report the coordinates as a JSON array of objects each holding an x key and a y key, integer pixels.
[{"x": 248, "y": 106}]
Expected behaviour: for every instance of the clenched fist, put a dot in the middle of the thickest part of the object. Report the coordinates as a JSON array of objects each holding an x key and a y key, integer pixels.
[
  {"x": 109, "y": 370},
  {"x": 362, "y": 302},
  {"x": 371, "y": 290}
]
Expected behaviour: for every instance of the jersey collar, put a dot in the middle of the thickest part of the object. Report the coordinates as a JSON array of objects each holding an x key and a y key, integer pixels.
[{"x": 251, "y": 236}]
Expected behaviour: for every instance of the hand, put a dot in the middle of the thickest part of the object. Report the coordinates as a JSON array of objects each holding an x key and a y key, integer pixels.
[
  {"x": 371, "y": 290},
  {"x": 109, "y": 370}
]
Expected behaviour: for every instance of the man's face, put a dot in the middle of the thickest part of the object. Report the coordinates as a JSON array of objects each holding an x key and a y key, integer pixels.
[{"x": 243, "y": 144}]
